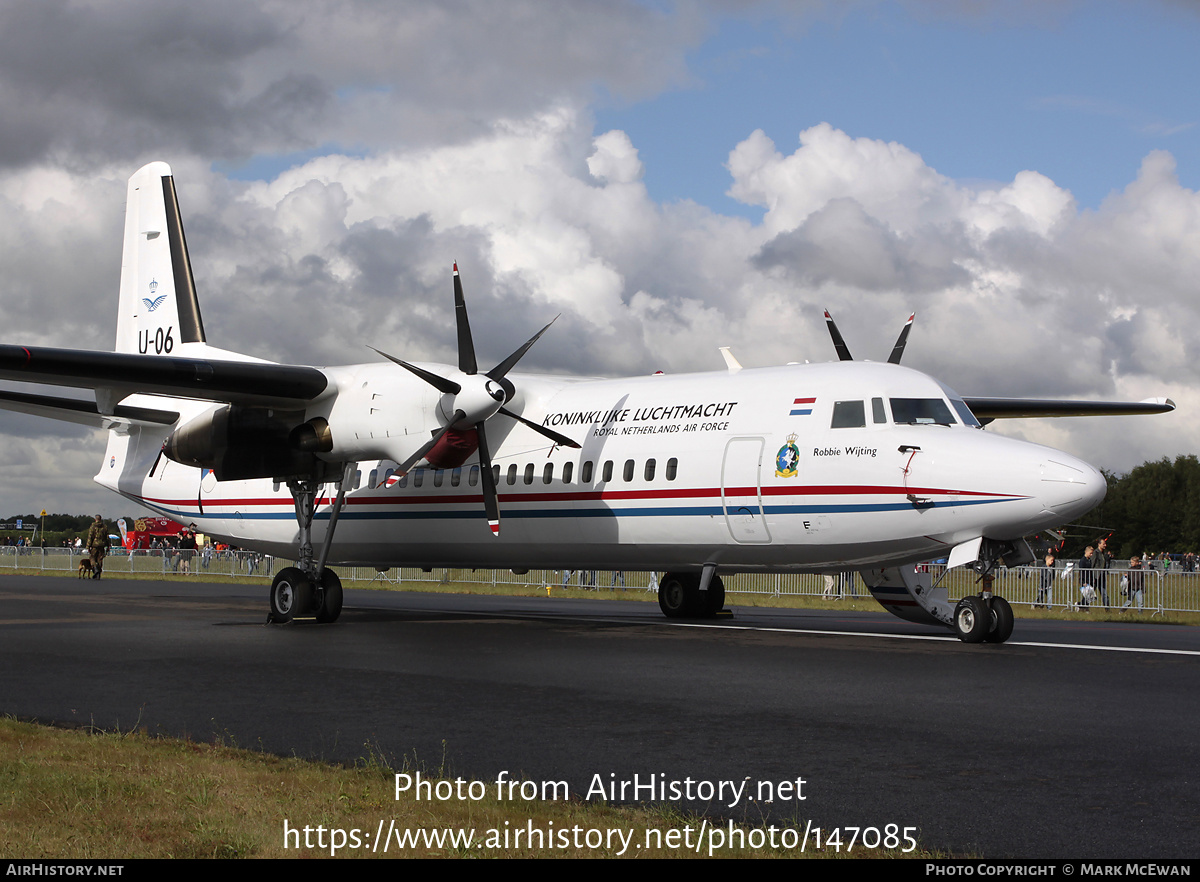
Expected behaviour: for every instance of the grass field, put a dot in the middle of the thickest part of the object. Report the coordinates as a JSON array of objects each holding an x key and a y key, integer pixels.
[{"x": 113, "y": 796}]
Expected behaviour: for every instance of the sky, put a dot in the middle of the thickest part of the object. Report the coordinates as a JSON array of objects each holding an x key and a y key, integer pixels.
[{"x": 671, "y": 177}]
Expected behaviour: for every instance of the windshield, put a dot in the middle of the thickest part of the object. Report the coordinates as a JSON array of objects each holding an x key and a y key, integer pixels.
[
  {"x": 921, "y": 411},
  {"x": 964, "y": 412}
]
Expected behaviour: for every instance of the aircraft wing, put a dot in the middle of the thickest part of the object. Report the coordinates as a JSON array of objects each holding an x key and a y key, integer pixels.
[
  {"x": 988, "y": 409},
  {"x": 115, "y": 375}
]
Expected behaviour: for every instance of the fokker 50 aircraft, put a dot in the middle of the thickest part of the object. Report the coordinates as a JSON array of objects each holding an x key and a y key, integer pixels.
[{"x": 801, "y": 468}]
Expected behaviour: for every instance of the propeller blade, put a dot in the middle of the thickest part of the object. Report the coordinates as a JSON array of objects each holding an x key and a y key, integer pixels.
[
  {"x": 405, "y": 466},
  {"x": 466, "y": 347},
  {"x": 439, "y": 383},
  {"x": 491, "y": 504},
  {"x": 898, "y": 349},
  {"x": 839, "y": 344},
  {"x": 541, "y": 430},
  {"x": 497, "y": 373}
]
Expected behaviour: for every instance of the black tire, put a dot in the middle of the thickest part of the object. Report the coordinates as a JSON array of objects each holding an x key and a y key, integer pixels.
[
  {"x": 1002, "y": 621},
  {"x": 329, "y": 607},
  {"x": 972, "y": 620},
  {"x": 673, "y": 596},
  {"x": 291, "y": 594},
  {"x": 715, "y": 601}
]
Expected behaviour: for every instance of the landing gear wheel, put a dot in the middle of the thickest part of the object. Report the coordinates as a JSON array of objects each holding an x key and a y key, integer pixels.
[
  {"x": 674, "y": 597},
  {"x": 1002, "y": 621},
  {"x": 680, "y": 597},
  {"x": 330, "y": 605},
  {"x": 291, "y": 595},
  {"x": 972, "y": 619},
  {"x": 715, "y": 601}
]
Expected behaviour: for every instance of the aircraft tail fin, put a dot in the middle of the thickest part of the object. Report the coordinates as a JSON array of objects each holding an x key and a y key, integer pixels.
[{"x": 158, "y": 308}]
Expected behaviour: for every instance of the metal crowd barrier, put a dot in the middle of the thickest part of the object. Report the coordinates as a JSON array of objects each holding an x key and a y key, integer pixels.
[{"x": 1022, "y": 586}]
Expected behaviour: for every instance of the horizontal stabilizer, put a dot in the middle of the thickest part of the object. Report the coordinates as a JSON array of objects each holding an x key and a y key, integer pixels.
[
  {"x": 234, "y": 382},
  {"x": 74, "y": 410}
]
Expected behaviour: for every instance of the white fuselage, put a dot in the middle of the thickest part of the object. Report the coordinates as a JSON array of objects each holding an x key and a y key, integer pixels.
[{"x": 736, "y": 468}]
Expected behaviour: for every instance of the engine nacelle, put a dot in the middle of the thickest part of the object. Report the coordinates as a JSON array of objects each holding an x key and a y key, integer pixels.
[{"x": 239, "y": 443}]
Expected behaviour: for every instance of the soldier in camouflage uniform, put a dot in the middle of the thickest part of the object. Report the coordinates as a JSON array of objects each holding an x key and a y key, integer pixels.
[{"x": 97, "y": 543}]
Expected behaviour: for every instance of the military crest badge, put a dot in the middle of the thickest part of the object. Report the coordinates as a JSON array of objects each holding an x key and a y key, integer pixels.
[{"x": 787, "y": 459}]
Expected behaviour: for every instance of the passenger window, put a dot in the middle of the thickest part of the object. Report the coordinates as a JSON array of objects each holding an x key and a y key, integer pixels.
[
  {"x": 548, "y": 473},
  {"x": 371, "y": 479},
  {"x": 357, "y": 480},
  {"x": 628, "y": 470},
  {"x": 418, "y": 477},
  {"x": 496, "y": 475},
  {"x": 388, "y": 475},
  {"x": 512, "y": 474},
  {"x": 568, "y": 468},
  {"x": 848, "y": 415},
  {"x": 649, "y": 473},
  {"x": 607, "y": 471},
  {"x": 437, "y": 477},
  {"x": 455, "y": 477},
  {"x": 473, "y": 476},
  {"x": 672, "y": 468},
  {"x": 529, "y": 473},
  {"x": 403, "y": 482},
  {"x": 587, "y": 473},
  {"x": 877, "y": 412}
]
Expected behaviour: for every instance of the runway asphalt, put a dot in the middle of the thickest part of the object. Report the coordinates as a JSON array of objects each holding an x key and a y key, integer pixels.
[{"x": 1075, "y": 739}]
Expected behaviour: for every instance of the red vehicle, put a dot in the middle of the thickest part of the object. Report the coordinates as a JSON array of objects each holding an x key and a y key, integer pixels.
[{"x": 147, "y": 529}]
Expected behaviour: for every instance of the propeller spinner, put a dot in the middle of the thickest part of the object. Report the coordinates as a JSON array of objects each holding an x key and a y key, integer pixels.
[{"x": 474, "y": 399}]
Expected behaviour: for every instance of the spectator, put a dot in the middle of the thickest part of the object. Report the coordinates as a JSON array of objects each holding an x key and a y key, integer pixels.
[
  {"x": 1134, "y": 583},
  {"x": 1046, "y": 583}
]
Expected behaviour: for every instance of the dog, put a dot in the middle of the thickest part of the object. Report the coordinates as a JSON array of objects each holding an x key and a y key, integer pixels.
[{"x": 85, "y": 569}]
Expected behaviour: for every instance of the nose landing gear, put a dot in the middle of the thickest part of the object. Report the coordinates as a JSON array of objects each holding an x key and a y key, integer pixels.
[{"x": 983, "y": 617}]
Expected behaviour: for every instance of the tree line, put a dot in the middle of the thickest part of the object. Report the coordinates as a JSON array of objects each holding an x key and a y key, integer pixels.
[
  {"x": 1153, "y": 508},
  {"x": 58, "y": 527}
]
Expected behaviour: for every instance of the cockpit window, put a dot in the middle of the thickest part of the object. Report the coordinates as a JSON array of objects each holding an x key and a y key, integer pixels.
[
  {"x": 921, "y": 411},
  {"x": 964, "y": 412},
  {"x": 848, "y": 415}
]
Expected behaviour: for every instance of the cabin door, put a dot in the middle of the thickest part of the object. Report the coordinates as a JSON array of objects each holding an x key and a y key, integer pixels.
[{"x": 741, "y": 490}]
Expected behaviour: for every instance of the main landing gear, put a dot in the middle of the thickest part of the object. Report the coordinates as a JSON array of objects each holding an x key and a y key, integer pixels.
[
  {"x": 680, "y": 596},
  {"x": 310, "y": 589}
]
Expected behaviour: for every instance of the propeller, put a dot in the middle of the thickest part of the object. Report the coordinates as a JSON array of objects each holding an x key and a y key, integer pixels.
[
  {"x": 843, "y": 350},
  {"x": 839, "y": 344},
  {"x": 898, "y": 349},
  {"x": 476, "y": 399}
]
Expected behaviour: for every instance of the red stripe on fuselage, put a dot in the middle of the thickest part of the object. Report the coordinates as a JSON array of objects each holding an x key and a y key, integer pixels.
[{"x": 453, "y": 495}]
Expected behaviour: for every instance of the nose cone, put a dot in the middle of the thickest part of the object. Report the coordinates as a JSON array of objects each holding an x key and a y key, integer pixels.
[
  {"x": 1069, "y": 487},
  {"x": 1042, "y": 488}
]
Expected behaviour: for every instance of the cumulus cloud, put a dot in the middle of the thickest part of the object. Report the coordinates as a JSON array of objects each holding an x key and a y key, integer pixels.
[{"x": 228, "y": 80}]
